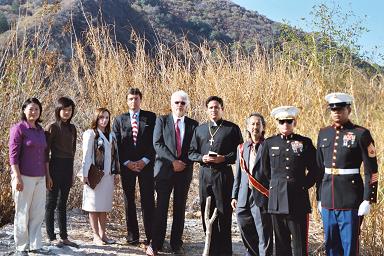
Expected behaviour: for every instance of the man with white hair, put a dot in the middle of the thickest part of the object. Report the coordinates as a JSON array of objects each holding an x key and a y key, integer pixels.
[
  {"x": 343, "y": 198},
  {"x": 289, "y": 163},
  {"x": 173, "y": 171}
]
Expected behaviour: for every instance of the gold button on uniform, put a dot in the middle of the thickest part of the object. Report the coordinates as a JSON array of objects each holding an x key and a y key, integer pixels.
[{"x": 287, "y": 167}]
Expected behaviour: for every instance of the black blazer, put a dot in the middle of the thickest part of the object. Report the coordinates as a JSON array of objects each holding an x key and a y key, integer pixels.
[
  {"x": 241, "y": 182},
  {"x": 164, "y": 142},
  {"x": 144, "y": 146}
]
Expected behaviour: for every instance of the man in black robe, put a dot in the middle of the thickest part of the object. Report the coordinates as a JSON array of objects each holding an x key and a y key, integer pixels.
[{"x": 214, "y": 145}]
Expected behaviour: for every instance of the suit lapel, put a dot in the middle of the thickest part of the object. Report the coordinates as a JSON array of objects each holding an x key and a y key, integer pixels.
[
  {"x": 172, "y": 132},
  {"x": 142, "y": 122},
  {"x": 127, "y": 127},
  {"x": 187, "y": 127},
  {"x": 258, "y": 154},
  {"x": 246, "y": 153}
]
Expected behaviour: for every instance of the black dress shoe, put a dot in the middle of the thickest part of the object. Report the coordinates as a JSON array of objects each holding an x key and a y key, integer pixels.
[
  {"x": 133, "y": 241},
  {"x": 178, "y": 251}
]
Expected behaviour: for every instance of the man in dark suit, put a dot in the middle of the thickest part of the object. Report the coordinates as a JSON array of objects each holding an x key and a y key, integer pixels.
[
  {"x": 250, "y": 191},
  {"x": 173, "y": 171},
  {"x": 134, "y": 133}
]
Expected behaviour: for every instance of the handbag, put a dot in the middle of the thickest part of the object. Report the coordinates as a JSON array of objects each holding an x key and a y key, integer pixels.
[{"x": 94, "y": 176}]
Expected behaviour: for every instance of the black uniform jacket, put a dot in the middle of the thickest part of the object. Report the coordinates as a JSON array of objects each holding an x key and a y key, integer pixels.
[
  {"x": 241, "y": 184},
  {"x": 164, "y": 141},
  {"x": 123, "y": 131},
  {"x": 346, "y": 147},
  {"x": 289, "y": 163}
]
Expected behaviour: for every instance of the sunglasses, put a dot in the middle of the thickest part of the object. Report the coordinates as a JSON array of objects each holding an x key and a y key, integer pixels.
[
  {"x": 288, "y": 121},
  {"x": 179, "y": 102},
  {"x": 336, "y": 108}
]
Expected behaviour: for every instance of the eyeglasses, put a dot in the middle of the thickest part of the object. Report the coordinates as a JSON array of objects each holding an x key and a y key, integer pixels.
[
  {"x": 179, "y": 102},
  {"x": 288, "y": 121}
]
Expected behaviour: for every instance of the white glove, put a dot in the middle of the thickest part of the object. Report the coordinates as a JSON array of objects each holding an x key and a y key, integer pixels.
[
  {"x": 319, "y": 207},
  {"x": 364, "y": 208}
]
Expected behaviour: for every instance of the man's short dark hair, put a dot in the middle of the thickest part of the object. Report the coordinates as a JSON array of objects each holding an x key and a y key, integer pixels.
[
  {"x": 214, "y": 98},
  {"x": 135, "y": 91}
]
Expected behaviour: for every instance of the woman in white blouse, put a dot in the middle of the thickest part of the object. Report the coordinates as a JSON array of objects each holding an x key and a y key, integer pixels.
[{"x": 100, "y": 149}]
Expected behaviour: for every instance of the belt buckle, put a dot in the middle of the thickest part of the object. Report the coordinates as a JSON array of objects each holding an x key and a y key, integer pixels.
[{"x": 335, "y": 171}]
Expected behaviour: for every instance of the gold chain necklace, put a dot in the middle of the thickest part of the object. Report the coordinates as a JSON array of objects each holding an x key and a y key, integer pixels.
[{"x": 212, "y": 135}]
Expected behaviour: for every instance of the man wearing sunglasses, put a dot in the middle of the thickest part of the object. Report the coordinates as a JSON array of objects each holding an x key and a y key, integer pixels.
[
  {"x": 173, "y": 171},
  {"x": 343, "y": 198},
  {"x": 289, "y": 163}
]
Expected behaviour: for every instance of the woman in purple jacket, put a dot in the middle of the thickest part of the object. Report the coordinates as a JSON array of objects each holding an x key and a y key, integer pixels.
[{"x": 29, "y": 166}]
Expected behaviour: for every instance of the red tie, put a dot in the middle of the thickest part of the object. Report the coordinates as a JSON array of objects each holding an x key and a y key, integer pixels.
[
  {"x": 135, "y": 129},
  {"x": 178, "y": 138}
]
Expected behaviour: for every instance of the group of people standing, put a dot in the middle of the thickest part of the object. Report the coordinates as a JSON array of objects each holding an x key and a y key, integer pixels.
[{"x": 269, "y": 191}]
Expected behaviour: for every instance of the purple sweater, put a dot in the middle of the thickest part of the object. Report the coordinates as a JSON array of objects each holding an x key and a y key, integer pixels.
[{"x": 27, "y": 147}]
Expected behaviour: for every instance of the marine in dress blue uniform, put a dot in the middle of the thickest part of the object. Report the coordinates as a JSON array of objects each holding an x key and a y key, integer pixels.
[
  {"x": 289, "y": 163},
  {"x": 342, "y": 194}
]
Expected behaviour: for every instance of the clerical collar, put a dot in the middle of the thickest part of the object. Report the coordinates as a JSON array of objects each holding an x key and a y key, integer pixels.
[
  {"x": 176, "y": 117},
  {"x": 217, "y": 123},
  {"x": 286, "y": 137}
]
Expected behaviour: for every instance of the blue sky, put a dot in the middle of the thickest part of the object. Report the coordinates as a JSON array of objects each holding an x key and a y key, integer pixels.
[{"x": 293, "y": 11}]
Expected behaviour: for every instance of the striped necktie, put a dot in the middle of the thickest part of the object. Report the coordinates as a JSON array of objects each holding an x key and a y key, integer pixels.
[{"x": 135, "y": 128}]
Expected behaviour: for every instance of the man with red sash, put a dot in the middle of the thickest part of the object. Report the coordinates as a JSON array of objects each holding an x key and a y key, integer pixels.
[{"x": 250, "y": 192}]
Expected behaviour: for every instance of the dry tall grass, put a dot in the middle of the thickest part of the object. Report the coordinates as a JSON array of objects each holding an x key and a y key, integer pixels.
[{"x": 101, "y": 71}]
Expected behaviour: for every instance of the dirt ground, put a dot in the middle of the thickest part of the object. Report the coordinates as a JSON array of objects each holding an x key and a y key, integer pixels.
[{"x": 79, "y": 231}]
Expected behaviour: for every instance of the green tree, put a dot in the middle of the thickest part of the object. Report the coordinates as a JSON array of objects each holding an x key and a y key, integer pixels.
[{"x": 4, "y": 25}]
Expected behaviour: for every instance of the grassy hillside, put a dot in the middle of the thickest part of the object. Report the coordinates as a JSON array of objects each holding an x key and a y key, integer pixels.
[{"x": 100, "y": 72}]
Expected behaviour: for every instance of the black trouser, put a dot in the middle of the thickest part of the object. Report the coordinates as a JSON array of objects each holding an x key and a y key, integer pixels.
[
  {"x": 61, "y": 171},
  {"x": 146, "y": 184},
  {"x": 218, "y": 185},
  {"x": 256, "y": 229},
  {"x": 179, "y": 183},
  {"x": 285, "y": 227}
]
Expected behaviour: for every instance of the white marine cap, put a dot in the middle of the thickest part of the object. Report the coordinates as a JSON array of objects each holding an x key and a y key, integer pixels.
[
  {"x": 338, "y": 99},
  {"x": 284, "y": 112}
]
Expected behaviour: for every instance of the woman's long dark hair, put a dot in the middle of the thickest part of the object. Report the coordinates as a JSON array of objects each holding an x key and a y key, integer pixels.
[
  {"x": 24, "y": 106},
  {"x": 98, "y": 113},
  {"x": 62, "y": 103}
]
